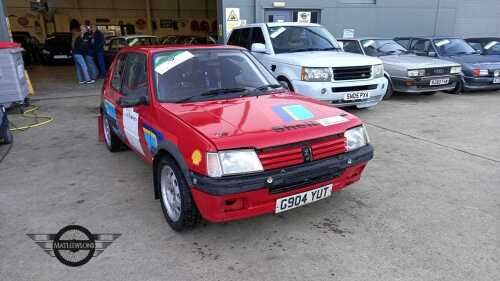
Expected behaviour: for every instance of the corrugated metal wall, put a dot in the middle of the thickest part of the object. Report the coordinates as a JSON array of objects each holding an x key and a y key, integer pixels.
[{"x": 388, "y": 18}]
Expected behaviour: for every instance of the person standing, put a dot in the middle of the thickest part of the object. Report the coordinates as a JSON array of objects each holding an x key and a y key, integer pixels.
[
  {"x": 89, "y": 52},
  {"x": 98, "y": 38},
  {"x": 78, "y": 51}
]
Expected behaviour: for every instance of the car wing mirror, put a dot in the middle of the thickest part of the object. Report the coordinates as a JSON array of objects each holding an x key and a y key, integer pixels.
[
  {"x": 432, "y": 54},
  {"x": 259, "y": 48},
  {"x": 131, "y": 101},
  {"x": 341, "y": 44}
]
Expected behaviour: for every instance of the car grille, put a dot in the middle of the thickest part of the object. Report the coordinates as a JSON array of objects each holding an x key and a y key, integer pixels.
[
  {"x": 295, "y": 154},
  {"x": 352, "y": 73},
  {"x": 437, "y": 71}
]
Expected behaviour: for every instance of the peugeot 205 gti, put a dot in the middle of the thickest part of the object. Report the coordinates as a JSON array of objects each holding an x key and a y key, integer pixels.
[{"x": 225, "y": 140}]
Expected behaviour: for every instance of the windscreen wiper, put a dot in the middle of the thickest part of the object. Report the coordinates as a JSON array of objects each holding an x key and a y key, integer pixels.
[
  {"x": 269, "y": 86},
  {"x": 223, "y": 91}
]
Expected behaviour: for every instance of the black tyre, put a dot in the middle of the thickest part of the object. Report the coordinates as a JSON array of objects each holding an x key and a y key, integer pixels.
[
  {"x": 112, "y": 141},
  {"x": 458, "y": 89},
  {"x": 8, "y": 137},
  {"x": 177, "y": 202},
  {"x": 390, "y": 92},
  {"x": 289, "y": 85}
]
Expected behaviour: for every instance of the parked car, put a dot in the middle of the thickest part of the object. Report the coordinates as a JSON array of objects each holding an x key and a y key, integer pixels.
[
  {"x": 407, "y": 72},
  {"x": 119, "y": 42},
  {"x": 308, "y": 59},
  {"x": 188, "y": 40},
  {"x": 31, "y": 45},
  {"x": 488, "y": 46},
  {"x": 479, "y": 72},
  {"x": 57, "y": 48},
  {"x": 224, "y": 139}
]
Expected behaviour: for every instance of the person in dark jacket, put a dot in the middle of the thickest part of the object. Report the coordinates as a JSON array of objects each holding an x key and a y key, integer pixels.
[
  {"x": 79, "y": 52},
  {"x": 98, "y": 41},
  {"x": 90, "y": 52}
]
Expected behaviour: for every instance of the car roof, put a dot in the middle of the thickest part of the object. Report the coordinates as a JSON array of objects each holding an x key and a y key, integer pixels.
[
  {"x": 174, "y": 47},
  {"x": 482, "y": 39},
  {"x": 272, "y": 24},
  {"x": 135, "y": 36},
  {"x": 427, "y": 37},
  {"x": 365, "y": 38}
]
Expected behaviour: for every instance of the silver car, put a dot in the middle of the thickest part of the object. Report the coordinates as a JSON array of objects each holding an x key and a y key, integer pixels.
[{"x": 407, "y": 72}]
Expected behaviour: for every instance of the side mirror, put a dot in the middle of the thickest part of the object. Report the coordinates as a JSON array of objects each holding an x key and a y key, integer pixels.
[
  {"x": 341, "y": 44},
  {"x": 259, "y": 48},
  {"x": 432, "y": 54},
  {"x": 284, "y": 85},
  {"x": 131, "y": 101}
]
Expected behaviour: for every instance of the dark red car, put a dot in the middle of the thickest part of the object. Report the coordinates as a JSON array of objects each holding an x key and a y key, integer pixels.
[{"x": 226, "y": 141}]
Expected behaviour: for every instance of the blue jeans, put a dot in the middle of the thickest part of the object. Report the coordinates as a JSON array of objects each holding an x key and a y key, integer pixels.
[
  {"x": 102, "y": 63},
  {"x": 91, "y": 66},
  {"x": 82, "y": 72}
]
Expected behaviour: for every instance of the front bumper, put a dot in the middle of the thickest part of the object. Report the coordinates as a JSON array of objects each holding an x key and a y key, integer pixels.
[
  {"x": 334, "y": 92},
  {"x": 237, "y": 197},
  {"x": 422, "y": 84},
  {"x": 480, "y": 83}
]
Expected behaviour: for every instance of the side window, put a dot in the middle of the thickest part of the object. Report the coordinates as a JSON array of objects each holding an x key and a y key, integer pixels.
[
  {"x": 235, "y": 35},
  {"x": 257, "y": 36},
  {"x": 116, "y": 80},
  {"x": 421, "y": 45},
  {"x": 135, "y": 75},
  {"x": 404, "y": 42},
  {"x": 352, "y": 47}
]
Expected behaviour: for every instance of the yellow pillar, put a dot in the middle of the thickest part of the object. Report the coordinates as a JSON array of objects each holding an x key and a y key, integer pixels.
[{"x": 148, "y": 16}]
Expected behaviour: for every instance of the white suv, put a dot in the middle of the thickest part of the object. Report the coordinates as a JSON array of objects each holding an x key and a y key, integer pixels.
[{"x": 311, "y": 62}]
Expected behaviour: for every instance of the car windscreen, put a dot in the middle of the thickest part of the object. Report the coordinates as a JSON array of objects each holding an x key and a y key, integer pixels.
[
  {"x": 453, "y": 47},
  {"x": 194, "y": 75},
  {"x": 379, "y": 47},
  {"x": 142, "y": 41},
  {"x": 289, "y": 39},
  {"x": 492, "y": 47},
  {"x": 58, "y": 43}
]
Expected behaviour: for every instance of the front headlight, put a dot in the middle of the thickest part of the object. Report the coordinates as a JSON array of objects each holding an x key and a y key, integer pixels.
[
  {"x": 378, "y": 71},
  {"x": 356, "y": 138},
  {"x": 232, "y": 162},
  {"x": 456, "y": 70},
  {"x": 316, "y": 74},
  {"x": 416, "y": 73}
]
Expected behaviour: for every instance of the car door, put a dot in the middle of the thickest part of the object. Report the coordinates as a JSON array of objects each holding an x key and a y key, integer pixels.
[
  {"x": 135, "y": 84},
  {"x": 111, "y": 95}
]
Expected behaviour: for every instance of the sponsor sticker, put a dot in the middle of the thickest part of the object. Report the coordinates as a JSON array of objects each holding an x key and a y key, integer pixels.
[
  {"x": 110, "y": 109},
  {"x": 332, "y": 120},
  {"x": 171, "y": 60},
  {"x": 196, "y": 157},
  {"x": 293, "y": 112},
  {"x": 151, "y": 136}
]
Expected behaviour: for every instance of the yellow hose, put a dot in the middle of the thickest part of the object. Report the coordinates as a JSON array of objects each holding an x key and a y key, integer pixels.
[{"x": 30, "y": 111}]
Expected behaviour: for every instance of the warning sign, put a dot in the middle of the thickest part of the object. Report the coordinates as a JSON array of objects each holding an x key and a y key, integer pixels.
[{"x": 233, "y": 19}]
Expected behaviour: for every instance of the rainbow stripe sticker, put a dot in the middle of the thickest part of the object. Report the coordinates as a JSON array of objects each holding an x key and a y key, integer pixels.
[{"x": 292, "y": 112}]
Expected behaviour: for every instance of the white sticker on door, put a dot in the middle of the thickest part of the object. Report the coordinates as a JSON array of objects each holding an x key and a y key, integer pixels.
[{"x": 131, "y": 126}]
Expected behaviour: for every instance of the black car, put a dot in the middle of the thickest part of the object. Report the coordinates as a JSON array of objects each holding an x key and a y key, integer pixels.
[
  {"x": 479, "y": 72},
  {"x": 488, "y": 46},
  {"x": 57, "y": 48},
  {"x": 30, "y": 44}
]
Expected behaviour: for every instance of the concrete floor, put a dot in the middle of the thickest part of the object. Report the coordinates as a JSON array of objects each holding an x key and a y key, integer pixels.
[{"x": 427, "y": 207}]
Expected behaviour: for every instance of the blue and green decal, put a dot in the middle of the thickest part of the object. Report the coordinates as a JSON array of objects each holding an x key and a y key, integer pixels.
[
  {"x": 293, "y": 112},
  {"x": 110, "y": 109},
  {"x": 152, "y": 137}
]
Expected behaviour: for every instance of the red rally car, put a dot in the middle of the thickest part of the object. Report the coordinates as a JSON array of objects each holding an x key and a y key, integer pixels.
[{"x": 226, "y": 141}]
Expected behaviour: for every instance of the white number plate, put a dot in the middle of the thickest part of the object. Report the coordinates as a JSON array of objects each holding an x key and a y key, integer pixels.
[
  {"x": 496, "y": 80},
  {"x": 304, "y": 198},
  {"x": 437, "y": 82},
  {"x": 60, "y": 56},
  {"x": 357, "y": 96}
]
